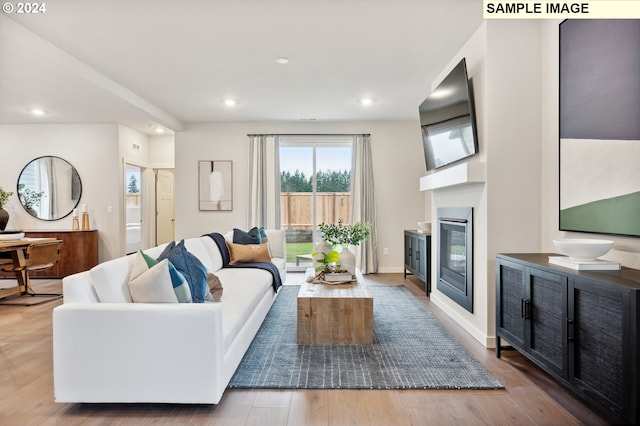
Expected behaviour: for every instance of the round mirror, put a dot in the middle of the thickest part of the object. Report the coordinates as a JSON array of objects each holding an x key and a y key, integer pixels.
[{"x": 49, "y": 188}]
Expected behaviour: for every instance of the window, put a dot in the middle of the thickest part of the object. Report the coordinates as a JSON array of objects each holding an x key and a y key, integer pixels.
[{"x": 315, "y": 187}]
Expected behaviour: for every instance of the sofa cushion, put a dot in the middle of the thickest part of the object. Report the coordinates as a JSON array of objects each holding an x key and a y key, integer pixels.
[
  {"x": 206, "y": 250},
  {"x": 247, "y": 237},
  {"x": 111, "y": 280},
  {"x": 243, "y": 253},
  {"x": 152, "y": 285},
  {"x": 190, "y": 266},
  {"x": 143, "y": 262},
  {"x": 243, "y": 291}
]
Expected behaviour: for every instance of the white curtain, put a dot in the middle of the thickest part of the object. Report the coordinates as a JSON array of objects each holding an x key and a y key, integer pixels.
[
  {"x": 264, "y": 182},
  {"x": 363, "y": 207}
]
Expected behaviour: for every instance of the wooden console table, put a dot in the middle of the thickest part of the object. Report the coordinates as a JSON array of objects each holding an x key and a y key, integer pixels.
[
  {"x": 335, "y": 314},
  {"x": 79, "y": 253}
]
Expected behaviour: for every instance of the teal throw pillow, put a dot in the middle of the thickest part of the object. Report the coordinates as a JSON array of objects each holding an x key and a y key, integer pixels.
[{"x": 178, "y": 281}]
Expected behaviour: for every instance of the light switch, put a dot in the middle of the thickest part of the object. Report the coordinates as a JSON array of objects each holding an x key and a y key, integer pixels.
[{"x": 109, "y": 209}]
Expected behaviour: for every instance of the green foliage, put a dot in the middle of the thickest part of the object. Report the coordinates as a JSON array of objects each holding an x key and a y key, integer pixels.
[
  {"x": 333, "y": 181},
  {"x": 28, "y": 197},
  {"x": 4, "y": 196},
  {"x": 133, "y": 185},
  {"x": 350, "y": 235},
  {"x": 327, "y": 262},
  {"x": 326, "y": 181},
  {"x": 296, "y": 182}
]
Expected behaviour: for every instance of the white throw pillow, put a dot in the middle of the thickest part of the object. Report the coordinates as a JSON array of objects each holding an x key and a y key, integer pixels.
[{"x": 153, "y": 285}]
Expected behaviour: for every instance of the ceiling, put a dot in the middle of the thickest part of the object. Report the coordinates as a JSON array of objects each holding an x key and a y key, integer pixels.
[{"x": 164, "y": 63}]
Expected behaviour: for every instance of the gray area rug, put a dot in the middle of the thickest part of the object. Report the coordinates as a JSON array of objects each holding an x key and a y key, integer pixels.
[{"x": 411, "y": 350}]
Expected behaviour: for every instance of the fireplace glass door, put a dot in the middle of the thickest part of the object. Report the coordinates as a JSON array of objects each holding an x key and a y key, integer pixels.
[{"x": 453, "y": 254}]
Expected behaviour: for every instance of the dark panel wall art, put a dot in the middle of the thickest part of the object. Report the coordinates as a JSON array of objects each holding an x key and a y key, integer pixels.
[{"x": 600, "y": 126}]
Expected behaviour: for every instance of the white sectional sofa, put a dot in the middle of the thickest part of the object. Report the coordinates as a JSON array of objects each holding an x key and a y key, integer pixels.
[{"x": 108, "y": 349}]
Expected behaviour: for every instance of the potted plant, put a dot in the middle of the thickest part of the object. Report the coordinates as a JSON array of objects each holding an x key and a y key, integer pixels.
[
  {"x": 327, "y": 262},
  {"x": 4, "y": 215},
  {"x": 346, "y": 236}
]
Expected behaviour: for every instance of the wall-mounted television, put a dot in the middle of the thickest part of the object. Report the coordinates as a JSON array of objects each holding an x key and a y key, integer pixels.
[{"x": 447, "y": 119}]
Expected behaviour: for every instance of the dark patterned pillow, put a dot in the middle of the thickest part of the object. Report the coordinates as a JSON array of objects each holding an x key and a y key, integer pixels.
[
  {"x": 247, "y": 237},
  {"x": 191, "y": 267}
]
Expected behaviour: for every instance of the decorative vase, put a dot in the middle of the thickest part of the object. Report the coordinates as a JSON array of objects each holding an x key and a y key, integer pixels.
[
  {"x": 320, "y": 248},
  {"x": 347, "y": 260},
  {"x": 4, "y": 219}
]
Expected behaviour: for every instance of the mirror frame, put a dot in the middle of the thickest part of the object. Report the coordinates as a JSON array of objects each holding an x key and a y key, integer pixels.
[{"x": 66, "y": 213}]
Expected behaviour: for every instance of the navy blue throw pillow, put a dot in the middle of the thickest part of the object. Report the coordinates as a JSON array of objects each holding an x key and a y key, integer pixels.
[
  {"x": 190, "y": 266},
  {"x": 244, "y": 237}
]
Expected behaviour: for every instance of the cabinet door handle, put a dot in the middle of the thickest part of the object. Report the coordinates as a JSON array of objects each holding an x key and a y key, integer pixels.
[
  {"x": 410, "y": 252},
  {"x": 525, "y": 309},
  {"x": 570, "y": 330},
  {"x": 417, "y": 254}
]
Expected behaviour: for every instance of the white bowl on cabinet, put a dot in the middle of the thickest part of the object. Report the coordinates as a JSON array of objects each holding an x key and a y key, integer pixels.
[{"x": 583, "y": 248}]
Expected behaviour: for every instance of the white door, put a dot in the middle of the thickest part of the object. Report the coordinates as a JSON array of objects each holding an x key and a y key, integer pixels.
[{"x": 164, "y": 206}]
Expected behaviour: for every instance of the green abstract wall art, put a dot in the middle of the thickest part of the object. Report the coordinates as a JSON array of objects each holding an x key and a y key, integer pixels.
[{"x": 600, "y": 126}]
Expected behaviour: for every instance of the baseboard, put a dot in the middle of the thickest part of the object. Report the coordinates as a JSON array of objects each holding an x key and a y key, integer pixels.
[
  {"x": 442, "y": 302},
  {"x": 390, "y": 270}
]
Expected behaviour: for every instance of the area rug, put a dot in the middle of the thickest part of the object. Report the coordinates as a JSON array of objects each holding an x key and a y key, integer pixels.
[{"x": 411, "y": 350}]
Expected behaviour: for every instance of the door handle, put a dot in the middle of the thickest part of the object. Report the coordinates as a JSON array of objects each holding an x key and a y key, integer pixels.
[
  {"x": 525, "y": 308},
  {"x": 570, "y": 330}
]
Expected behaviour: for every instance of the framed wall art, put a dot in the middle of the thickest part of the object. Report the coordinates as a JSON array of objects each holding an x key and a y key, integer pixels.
[
  {"x": 215, "y": 185},
  {"x": 600, "y": 126}
]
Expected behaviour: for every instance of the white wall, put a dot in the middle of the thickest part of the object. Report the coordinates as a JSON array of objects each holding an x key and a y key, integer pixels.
[
  {"x": 398, "y": 164},
  {"x": 626, "y": 249},
  {"x": 503, "y": 61},
  {"x": 162, "y": 153},
  {"x": 91, "y": 149}
]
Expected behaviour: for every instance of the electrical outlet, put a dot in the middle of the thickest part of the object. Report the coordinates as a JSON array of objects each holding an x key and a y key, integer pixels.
[{"x": 386, "y": 251}]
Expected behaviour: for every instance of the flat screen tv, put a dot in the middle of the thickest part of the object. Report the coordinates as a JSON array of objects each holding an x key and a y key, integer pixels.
[{"x": 447, "y": 119}]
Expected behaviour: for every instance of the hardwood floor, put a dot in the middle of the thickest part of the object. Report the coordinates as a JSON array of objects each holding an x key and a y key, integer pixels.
[{"x": 530, "y": 398}]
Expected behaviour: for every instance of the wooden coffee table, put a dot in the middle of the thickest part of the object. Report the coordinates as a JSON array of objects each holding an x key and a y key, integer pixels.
[{"x": 335, "y": 314}]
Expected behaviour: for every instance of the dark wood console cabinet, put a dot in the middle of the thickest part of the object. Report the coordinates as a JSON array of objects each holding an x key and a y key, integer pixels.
[
  {"x": 417, "y": 256},
  {"x": 579, "y": 326},
  {"x": 79, "y": 253}
]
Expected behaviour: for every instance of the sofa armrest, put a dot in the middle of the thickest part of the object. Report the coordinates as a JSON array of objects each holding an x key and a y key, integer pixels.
[{"x": 136, "y": 352}]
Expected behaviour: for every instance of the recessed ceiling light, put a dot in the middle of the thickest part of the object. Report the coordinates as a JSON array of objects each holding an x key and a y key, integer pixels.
[
  {"x": 159, "y": 130},
  {"x": 230, "y": 102},
  {"x": 37, "y": 111},
  {"x": 282, "y": 60},
  {"x": 366, "y": 101}
]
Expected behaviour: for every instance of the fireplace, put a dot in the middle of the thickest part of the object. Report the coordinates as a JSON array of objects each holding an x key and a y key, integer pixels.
[{"x": 455, "y": 254}]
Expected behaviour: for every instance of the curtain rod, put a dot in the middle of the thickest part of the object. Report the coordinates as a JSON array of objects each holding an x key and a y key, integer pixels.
[{"x": 308, "y": 134}]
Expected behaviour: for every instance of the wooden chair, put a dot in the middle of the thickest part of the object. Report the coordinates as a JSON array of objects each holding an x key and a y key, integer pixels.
[{"x": 38, "y": 256}]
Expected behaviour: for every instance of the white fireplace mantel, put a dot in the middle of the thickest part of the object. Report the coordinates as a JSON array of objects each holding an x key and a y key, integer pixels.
[{"x": 472, "y": 172}]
